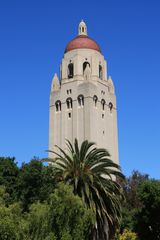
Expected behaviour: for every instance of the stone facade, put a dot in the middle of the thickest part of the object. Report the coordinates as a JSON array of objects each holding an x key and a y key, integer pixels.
[{"x": 82, "y": 101}]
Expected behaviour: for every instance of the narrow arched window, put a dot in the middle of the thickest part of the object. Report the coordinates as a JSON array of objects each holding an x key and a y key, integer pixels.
[
  {"x": 95, "y": 99},
  {"x": 85, "y": 65},
  {"x": 70, "y": 70},
  {"x": 103, "y": 104},
  {"x": 110, "y": 106},
  {"x": 58, "y": 106},
  {"x": 69, "y": 103},
  {"x": 100, "y": 72},
  {"x": 80, "y": 100}
]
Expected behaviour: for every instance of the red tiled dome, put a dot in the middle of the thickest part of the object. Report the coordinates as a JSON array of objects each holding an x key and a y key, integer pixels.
[{"x": 82, "y": 41}]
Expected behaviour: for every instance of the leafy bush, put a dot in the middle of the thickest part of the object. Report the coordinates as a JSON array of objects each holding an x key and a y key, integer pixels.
[
  {"x": 127, "y": 235},
  {"x": 64, "y": 215}
]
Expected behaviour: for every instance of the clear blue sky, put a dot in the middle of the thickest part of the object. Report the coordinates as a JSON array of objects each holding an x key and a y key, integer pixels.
[{"x": 33, "y": 36}]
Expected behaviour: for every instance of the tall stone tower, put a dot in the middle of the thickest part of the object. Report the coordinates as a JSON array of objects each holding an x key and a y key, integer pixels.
[{"x": 82, "y": 100}]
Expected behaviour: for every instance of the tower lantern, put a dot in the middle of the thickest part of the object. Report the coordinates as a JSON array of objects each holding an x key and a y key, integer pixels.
[{"x": 82, "y": 29}]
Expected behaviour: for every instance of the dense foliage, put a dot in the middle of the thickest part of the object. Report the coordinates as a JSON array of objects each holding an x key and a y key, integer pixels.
[
  {"x": 9, "y": 173},
  {"x": 34, "y": 206},
  {"x": 148, "y": 216},
  {"x": 62, "y": 217},
  {"x": 127, "y": 235},
  {"x": 27, "y": 184},
  {"x": 141, "y": 210}
]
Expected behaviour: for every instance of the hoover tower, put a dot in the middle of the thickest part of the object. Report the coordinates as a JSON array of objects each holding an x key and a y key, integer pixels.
[{"x": 82, "y": 98}]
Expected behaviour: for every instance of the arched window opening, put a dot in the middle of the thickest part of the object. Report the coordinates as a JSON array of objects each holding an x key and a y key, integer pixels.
[
  {"x": 95, "y": 99},
  {"x": 82, "y": 29},
  {"x": 58, "y": 106},
  {"x": 80, "y": 100},
  {"x": 100, "y": 72},
  {"x": 70, "y": 70},
  {"x": 85, "y": 65},
  {"x": 69, "y": 103},
  {"x": 103, "y": 104},
  {"x": 110, "y": 106}
]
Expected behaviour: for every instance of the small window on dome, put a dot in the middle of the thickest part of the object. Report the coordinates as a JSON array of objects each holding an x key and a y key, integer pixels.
[
  {"x": 70, "y": 70},
  {"x": 85, "y": 65},
  {"x": 100, "y": 72}
]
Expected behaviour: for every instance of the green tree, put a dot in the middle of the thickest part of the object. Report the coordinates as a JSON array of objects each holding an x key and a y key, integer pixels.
[
  {"x": 127, "y": 235},
  {"x": 132, "y": 203},
  {"x": 8, "y": 229},
  {"x": 4, "y": 196},
  {"x": 63, "y": 217},
  {"x": 70, "y": 219},
  {"x": 92, "y": 175},
  {"x": 35, "y": 183},
  {"x": 130, "y": 189},
  {"x": 9, "y": 172},
  {"x": 13, "y": 225},
  {"x": 147, "y": 219}
]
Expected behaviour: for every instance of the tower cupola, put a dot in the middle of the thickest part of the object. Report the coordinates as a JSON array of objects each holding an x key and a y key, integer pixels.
[{"x": 82, "y": 40}]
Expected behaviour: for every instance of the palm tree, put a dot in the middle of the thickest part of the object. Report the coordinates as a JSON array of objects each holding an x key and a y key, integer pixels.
[{"x": 93, "y": 175}]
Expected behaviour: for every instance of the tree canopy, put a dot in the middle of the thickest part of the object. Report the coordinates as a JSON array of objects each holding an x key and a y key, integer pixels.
[
  {"x": 141, "y": 210},
  {"x": 148, "y": 216},
  {"x": 61, "y": 201}
]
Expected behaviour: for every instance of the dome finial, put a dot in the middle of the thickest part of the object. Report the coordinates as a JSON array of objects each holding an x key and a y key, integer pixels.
[{"x": 82, "y": 29}]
